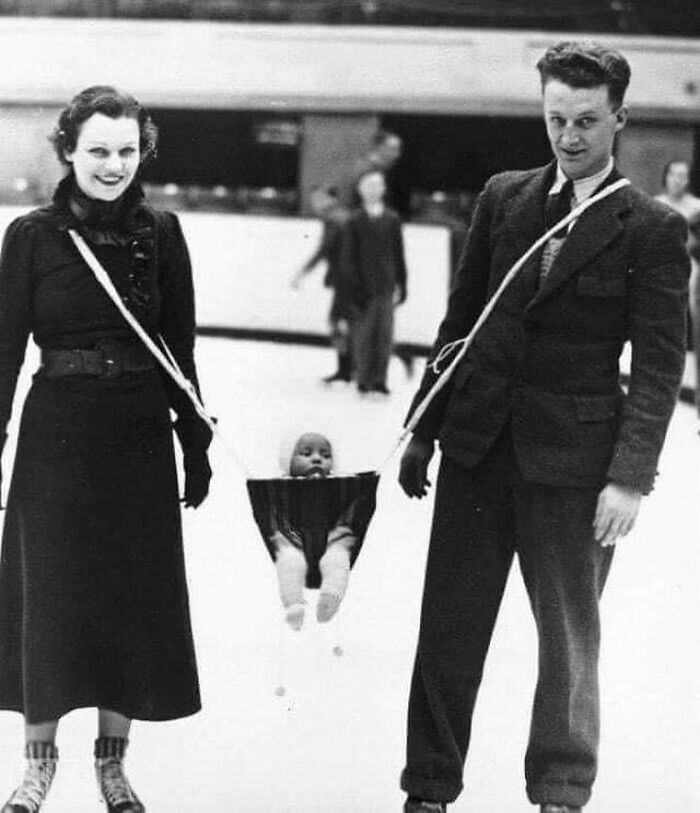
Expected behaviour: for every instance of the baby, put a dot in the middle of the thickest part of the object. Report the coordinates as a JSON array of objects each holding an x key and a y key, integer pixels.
[{"x": 312, "y": 456}]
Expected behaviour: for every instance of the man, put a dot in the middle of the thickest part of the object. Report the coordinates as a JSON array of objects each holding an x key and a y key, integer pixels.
[
  {"x": 374, "y": 274},
  {"x": 543, "y": 455}
]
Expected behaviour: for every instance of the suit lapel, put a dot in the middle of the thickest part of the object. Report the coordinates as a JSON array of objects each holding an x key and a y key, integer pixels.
[
  {"x": 524, "y": 223},
  {"x": 524, "y": 211},
  {"x": 592, "y": 233}
]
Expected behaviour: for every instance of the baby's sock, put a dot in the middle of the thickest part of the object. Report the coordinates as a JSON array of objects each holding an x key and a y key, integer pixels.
[
  {"x": 335, "y": 571},
  {"x": 291, "y": 573}
]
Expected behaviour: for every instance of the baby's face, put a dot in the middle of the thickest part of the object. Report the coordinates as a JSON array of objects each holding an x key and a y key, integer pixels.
[{"x": 312, "y": 456}]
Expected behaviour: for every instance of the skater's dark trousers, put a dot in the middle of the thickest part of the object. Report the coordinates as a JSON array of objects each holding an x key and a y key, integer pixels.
[{"x": 373, "y": 334}]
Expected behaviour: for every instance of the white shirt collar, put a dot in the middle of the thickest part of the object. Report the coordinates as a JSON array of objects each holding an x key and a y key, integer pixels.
[
  {"x": 376, "y": 210},
  {"x": 583, "y": 187}
]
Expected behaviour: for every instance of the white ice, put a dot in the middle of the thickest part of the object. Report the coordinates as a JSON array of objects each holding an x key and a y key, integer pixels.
[{"x": 334, "y": 742}]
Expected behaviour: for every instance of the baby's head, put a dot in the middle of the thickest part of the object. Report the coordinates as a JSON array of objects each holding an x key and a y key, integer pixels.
[{"x": 312, "y": 456}]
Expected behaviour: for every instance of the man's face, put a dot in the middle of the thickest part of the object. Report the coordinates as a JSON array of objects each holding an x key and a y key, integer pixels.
[
  {"x": 390, "y": 150},
  {"x": 372, "y": 188},
  {"x": 677, "y": 179},
  {"x": 581, "y": 126}
]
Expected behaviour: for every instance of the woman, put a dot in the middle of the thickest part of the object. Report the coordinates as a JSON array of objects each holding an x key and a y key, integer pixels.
[{"x": 93, "y": 597}]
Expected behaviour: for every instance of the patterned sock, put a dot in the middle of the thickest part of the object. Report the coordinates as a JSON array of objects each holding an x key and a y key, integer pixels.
[
  {"x": 110, "y": 747},
  {"x": 36, "y": 749}
]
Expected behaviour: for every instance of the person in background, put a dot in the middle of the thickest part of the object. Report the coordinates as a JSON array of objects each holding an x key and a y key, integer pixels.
[
  {"x": 374, "y": 272},
  {"x": 93, "y": 594},
  {"x": 325, "y": 204},
  {"x": 385, "y": 156},
  {"x": 543, "y": 454},
  {"x": 676, "y": 189},
  {"x": 677, "y": 195}
]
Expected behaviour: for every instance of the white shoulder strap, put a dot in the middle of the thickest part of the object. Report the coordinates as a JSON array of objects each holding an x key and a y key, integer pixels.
[
  {"x": 168, "y": 362},
  {"x": 462, "y": 345}
]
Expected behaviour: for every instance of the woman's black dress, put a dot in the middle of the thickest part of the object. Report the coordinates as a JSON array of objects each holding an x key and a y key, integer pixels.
[{"x": 93, "y": 596}]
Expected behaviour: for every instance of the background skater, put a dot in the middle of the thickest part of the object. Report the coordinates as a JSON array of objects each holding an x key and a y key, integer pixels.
[{"x": 374, "y": 272}]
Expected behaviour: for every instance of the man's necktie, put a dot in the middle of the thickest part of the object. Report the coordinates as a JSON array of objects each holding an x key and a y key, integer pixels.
[{"x": 558, "y": 205}]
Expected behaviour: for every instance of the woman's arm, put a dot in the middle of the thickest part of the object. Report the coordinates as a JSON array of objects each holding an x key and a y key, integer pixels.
[
  {"x": 177, "y": 326},
  {"x": 15, "y": 309}
]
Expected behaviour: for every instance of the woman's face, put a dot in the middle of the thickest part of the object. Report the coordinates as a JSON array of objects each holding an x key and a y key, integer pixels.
[{"x": 106, "y": 156}]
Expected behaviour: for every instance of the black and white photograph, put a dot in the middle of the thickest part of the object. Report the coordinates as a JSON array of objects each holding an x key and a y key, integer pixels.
[{"x": 349, "y": 406}]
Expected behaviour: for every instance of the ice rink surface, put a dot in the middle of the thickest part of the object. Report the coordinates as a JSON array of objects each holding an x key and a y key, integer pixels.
[{"x": 334, "y": 741}]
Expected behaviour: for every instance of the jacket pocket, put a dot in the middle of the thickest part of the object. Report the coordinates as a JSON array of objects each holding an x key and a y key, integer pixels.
[
  {"x": 596, "y": 408},
  {"x": 604, "y": 286}
]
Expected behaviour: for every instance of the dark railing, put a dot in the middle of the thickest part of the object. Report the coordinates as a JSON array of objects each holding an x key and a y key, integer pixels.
[{"x": 654, "y": 17}]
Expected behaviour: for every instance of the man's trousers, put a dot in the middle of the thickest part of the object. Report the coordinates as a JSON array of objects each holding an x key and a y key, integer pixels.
[
  {"x": 482, "y": 517},
  {"x": 373, "y": 337}
]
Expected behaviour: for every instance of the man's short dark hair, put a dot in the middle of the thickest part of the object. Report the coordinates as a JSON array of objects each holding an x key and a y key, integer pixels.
[{"x": 585, "y": 64}]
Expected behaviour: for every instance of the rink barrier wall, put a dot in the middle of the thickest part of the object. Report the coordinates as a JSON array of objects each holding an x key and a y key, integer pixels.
[
  {"x": 322, "y": 68},
  {"x": 233, "y": 254},
  {"x": 243, "y": 267}
]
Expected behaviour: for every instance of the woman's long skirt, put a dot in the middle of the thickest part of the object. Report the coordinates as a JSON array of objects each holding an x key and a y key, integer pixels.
[{"x": 93, "y": 597}]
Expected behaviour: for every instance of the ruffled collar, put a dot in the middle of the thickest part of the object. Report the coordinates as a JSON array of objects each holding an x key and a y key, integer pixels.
[
  {"x": 125, "y": 222},
  {"x": 102, "y": 222}
]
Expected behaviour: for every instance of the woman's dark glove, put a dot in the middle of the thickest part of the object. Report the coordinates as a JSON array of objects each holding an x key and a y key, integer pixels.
[
  {"x": 194, "y": 436},
  {"x": 197, "y": 477}
]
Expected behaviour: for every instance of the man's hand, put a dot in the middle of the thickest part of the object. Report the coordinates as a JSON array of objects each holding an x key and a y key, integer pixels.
[
  {"x": 616, "y": 513},
  {"x": 400, "y": 295},
  {"x": 413, "y": 474}
]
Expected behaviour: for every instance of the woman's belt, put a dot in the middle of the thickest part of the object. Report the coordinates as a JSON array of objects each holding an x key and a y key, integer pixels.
[{"x": 108, "y": 359}]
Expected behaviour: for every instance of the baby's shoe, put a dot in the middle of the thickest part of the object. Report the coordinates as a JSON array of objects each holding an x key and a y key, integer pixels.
[
  {"x": 115, "y": 790},
  {"x": 38, "y": 776}
]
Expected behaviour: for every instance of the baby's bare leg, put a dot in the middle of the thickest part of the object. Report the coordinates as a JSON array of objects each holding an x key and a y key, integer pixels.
[
  {"x": 335, "y": 572},
  {"x": 291, "y": 574}
]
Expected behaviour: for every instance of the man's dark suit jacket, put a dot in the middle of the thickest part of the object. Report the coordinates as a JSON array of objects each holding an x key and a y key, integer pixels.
[
  {"x": 547, "y": 357},
  {"x": 371, "y": 266}
]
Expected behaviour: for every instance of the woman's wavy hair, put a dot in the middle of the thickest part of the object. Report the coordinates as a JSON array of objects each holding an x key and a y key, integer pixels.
[{"x": 110, "y": 102}]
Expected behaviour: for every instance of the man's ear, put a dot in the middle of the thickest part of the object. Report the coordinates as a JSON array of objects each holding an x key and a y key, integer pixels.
[{"x": 621, "y": 115}]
